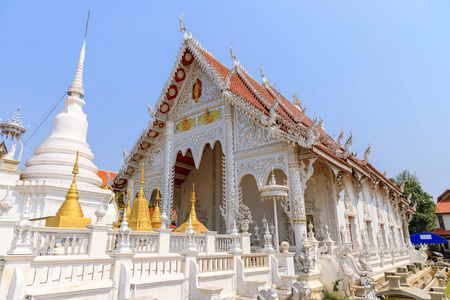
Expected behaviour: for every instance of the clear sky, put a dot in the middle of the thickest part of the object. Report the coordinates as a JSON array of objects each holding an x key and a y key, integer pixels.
[{"x": 378, "y": 68}]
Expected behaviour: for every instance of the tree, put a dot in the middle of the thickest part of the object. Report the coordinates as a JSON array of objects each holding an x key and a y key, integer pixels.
[{"x": 424, "y": 219}]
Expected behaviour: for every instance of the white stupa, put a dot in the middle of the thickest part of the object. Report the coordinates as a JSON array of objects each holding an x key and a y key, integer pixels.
[
  {"x": 48, "y": 175},
  {"x": 54, "y": 157}
]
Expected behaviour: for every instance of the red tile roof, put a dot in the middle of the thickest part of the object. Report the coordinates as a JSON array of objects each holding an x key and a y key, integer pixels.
[
  {"x": 103, "y": 177},
  {"x": 445, "y": 196},
  {"x": 443, "y": 207},
  {"x": 441, "y": 231}
]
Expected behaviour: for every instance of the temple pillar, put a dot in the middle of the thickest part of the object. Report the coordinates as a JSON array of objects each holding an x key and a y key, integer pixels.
[
  {"x": 298, "y": 175},
  {"x": 229, "y": 203},
  {"x": 167, "y": 184}
]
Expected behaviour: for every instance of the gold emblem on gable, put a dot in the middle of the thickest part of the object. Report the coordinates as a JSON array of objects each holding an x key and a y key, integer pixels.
[{"x": 197, "y": 90}]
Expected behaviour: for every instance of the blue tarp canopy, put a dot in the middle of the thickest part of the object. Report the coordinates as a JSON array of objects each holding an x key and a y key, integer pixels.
[{"x": 427, "y": 238}]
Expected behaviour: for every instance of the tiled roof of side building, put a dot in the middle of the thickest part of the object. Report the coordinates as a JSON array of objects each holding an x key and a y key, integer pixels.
[
  {"x": 441, "y": 232},
  {"x": 104, "y": 177},
  {"x": 445, "y": 196},
  {"x": 442, "y": 207}
]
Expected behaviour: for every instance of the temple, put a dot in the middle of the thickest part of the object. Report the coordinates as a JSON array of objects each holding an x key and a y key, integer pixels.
[{"x": 250, "y": 198}]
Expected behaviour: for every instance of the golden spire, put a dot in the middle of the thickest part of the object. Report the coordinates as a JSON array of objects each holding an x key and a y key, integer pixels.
[
  {"x": 71, "y": 207},
  {"x": 70, "y": 213},
  {"x": 156, "y": 221},
  {"x": 139, "y": 216},
  {"x": 196, "y": 224}
]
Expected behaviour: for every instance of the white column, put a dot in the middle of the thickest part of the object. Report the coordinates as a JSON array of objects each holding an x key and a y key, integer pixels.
[
  {"x": 167, "y": 184},
  {"x": 230, "y": 183},
  {"x": 299, "y": 174}
]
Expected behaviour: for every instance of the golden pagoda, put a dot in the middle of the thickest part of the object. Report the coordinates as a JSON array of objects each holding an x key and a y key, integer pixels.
[
  {"x": 196, "y": 224},
  {"x": 70, "y": 214},
  {"x": 156, "y": 222},
  {"x": 139, "y": 216}
]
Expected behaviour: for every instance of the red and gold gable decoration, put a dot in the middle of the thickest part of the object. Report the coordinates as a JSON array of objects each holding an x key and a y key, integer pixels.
[{"x": 197, "y": 90}]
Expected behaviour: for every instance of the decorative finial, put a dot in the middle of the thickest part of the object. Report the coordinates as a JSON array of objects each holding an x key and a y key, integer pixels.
[
  {"x": 182, "y": 28},
  {"x": 75, "y": 167},
  {"x": 366, "y": 155},
  {"x": 297, "y": 101},
  {"x": 150, "y": 110},
  {"x": 233, "y": 57},
  {"x": 77, "y": 85},
  {"x": 124, "y": 153}
]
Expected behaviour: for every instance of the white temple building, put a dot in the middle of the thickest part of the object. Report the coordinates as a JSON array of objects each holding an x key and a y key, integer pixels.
[{"x": 266, "y": 205}]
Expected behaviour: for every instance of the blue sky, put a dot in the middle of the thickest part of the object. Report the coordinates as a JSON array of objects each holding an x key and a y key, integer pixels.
[{"x": 378, "y": 68}]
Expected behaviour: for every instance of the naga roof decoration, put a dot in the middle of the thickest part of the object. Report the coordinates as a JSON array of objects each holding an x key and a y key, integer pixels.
[{"x": 257, "y": 100}]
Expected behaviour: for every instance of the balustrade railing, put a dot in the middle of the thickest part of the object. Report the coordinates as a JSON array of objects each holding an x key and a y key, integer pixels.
[
  {"x": 52, "y": 274},
  {"x": 111, "y": 241},
  {"x": 140, "y": 241},
  {"x": 144, "y": 242},
  {"x": 255, "y": 260},
  {"x": 47, "y": 241},
  {"x": 222, "y": 242},
  {"x": 157, "y": 266},
  {"x": 178, "y": 240},
  {"x": 215, "y": 263}
]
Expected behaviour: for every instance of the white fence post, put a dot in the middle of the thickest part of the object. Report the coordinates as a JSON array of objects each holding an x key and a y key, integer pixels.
[
  {"x": 163, "y": 247},
  {"x": 7, "y": 234},
  {"x": 97, "y": 240},
  {"x": 245, "y": 242},
  {"x": 210, "y": 246},
  {"x": 20, "y": 265},
  {"x": 121, "y": 274}
]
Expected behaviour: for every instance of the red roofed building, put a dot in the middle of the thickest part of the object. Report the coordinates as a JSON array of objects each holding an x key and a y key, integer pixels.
[
  {"x": 103, "y": 174},
  {"x": 443, "y": 217}
]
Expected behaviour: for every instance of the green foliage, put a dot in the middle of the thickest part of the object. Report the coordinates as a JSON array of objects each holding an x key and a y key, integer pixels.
[
  {"x": 424, "y": 219},
  {"x": 336, "y": 285},
  {"x": 327, "y": 295},
  {"x": 119, "y": 201}
]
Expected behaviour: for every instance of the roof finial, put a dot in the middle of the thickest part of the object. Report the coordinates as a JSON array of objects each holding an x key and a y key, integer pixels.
[
  {"x": 182, "y": 28},
  {"x": 77, "y": 84},
  {"x": 264, "y": 78},
  {"x": 233, "y": 57}
]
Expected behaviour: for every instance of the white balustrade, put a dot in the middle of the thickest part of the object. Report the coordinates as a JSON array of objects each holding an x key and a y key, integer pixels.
[
  {"x": 140, "y": 241},
  {"x": 144, "y": 242},
  {"x": 255, "y": 260},
  {"x": 59, "y": 241},
  {"x": 111, "y": 241},
  {"x": 222, "y": 242},
  {"x": 177, "y": 241},
  {"x": 64, "y": 273},
  {"x": 215, "y": 263},
  {"x": 156, "y": 267}
]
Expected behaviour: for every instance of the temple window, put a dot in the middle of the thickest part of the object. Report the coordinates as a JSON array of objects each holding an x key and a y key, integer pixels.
[{"x": 441, "y": 222}]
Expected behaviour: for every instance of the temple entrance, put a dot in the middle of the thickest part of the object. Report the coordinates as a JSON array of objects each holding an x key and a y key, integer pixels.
[
  {"x": 208, "y": 187},
  {"x": 264, "y": 209}
]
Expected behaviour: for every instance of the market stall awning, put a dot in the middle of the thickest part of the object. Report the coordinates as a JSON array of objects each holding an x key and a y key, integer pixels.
[{"x": 427, "y": 238}]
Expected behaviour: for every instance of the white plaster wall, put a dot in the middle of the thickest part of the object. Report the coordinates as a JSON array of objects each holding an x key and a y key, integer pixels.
[{"x": 446, "y": 218}]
